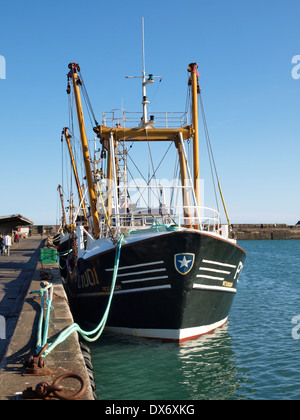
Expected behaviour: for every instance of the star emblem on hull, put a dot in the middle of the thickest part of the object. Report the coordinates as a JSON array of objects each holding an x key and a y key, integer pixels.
[{"x": 184, "y": 262}]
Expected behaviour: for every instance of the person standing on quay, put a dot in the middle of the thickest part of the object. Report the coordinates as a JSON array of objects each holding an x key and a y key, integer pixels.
[
  {"x": 1, "y": 245},
  {"x": 7, "y": 243}
]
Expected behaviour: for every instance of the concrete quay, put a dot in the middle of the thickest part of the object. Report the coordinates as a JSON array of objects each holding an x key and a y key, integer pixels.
[
  {"x": 266, "y": 231},
  {"x": 19, "y": 274}
]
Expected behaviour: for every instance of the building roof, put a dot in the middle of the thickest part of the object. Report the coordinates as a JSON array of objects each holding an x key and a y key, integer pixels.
[{"x": 8, "y": 223}]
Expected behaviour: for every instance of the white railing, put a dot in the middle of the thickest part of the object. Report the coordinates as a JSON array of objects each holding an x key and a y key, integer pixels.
[
  {"x": 147, "y": 209},
  {"x": 141, "y": 219},
  {"x": 127, "y": 119},
  {"x": 182, "y": 216}
]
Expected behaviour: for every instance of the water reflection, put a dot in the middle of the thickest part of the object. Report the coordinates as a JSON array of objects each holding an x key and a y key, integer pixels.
[
  {"x": 253, "y": 357},
  {"x": 133, "y": 368},
  {"x": 210, "y": 367}
]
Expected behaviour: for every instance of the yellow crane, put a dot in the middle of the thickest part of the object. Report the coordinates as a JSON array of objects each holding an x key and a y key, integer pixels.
[
  {"x": 68, "y": 137},
  {"x": 76, "y": 82}
]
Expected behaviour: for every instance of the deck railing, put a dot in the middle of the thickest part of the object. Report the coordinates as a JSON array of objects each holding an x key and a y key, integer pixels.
[
  {"x": 120, "y": 118},
  {"x": 142, "y": 219}
]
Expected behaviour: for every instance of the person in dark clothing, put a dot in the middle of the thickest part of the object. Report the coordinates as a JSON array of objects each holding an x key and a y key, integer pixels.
[{"x": 1, "y": 245}]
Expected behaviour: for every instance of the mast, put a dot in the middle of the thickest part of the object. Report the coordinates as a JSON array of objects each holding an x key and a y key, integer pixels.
[
  {"x": 193, "y": 81},
  {"x": 184, "y": 182},
  {"x": 109, "y": 176},
  {"x": 68, "y": 137},
  {"x": 144, "y": 84},
  {"x": 145, "y": 123},
  {"x": 85, "y": 148},
  {"x": 64, "y": 219}
]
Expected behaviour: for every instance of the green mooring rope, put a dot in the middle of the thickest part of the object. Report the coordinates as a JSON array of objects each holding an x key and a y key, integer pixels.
[
  {"x": 87, "y": 335},
  {"x": 45, "y": 293}
]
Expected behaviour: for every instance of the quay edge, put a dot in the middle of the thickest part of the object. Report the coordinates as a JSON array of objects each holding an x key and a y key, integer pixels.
[{"x": 67, "y": 357}]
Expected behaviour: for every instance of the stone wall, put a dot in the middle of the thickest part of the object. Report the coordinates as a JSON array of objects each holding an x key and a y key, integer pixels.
[{"x": 266, "y": 231}]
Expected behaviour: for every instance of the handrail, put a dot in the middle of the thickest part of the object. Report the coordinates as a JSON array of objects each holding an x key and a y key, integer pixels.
[
  {"x": 128, "y": 216},
  {"x": 181, "y": 216},
  {"x": 132, "y": 119}
]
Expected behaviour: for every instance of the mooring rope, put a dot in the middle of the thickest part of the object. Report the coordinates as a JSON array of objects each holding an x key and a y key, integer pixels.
[
  {"x": 46, "y": 294},
  {"x": 91, "y": 336}
]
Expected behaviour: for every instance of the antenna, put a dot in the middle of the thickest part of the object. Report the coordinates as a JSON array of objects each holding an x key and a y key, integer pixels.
[
  {"x": 143, "y": 40},
  {"x": 145, "y": 81}
]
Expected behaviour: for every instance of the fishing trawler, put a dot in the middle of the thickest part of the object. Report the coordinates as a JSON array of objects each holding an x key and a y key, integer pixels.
[{"x": 179, "y": 266}]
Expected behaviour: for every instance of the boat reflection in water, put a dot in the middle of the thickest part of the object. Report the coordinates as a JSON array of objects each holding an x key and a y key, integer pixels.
[
  {"x": 206, "y": 368},
  {"x": 210, "y": 368}
]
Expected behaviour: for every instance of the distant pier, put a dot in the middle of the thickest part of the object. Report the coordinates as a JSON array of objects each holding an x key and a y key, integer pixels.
[{"x": 266, "y": 231}]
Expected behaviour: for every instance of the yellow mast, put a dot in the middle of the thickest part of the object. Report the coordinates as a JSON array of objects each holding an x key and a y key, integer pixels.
[
  {"x": 68, "y": 137},
  {"x": 184, "y": 179},
  {"x": 85, "y": 148},
  {"x": 64, "y": 219},
  {"x": 109, "y": 176},
  {"x": 195, "y": 90}
]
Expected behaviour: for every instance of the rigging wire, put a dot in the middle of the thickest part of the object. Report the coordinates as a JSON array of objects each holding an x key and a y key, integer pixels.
[
  {"x": 188, "y": 109},
  {"x": 138, "y": 188},
  {"x": 85, "y": 93},
  {"x": 76, "y": 143},
  {"x": 85, "y": 98},
  {"x": 175, "y": 175},
  {"x": 62, "y": 162},
  {"x": 213, "y": 168},
  {"x": 210, "y": 152},
  {"x": 156, "y": 195},
  {"x": 154, "y": 171},
  {"x": 155, "y": 92},
  {"x": 188, "y": 99},
  {"x": 212, "y": 158},
  {"x": 162, "y": 159}
]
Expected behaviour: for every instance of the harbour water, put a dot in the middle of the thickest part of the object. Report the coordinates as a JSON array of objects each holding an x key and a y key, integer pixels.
[{"x": 256, "y": 355}]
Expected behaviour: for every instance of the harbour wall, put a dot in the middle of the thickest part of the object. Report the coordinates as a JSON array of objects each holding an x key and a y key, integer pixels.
[
  {"x": 246, "y": 231},
  {"x": 266, "y": 231}
]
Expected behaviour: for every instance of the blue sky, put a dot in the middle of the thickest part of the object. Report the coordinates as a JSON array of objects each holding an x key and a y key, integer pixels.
[{"x": 244, "y": 51}]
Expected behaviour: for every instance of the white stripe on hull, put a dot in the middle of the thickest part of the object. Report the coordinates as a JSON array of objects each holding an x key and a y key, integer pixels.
[
  {"x": 143, "y": 289},
  {"x": 214, "y": 270},
  {"x": 204, "y": 276},
  {"x": 156, "y": 270},
  {"x": 214, "y": 288},
  {"x": 219, "y": 263},
  {"x": 136, "y": 265},
  {"x": 145, "y": 279},
  {"x": 170, "y": 335}
]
